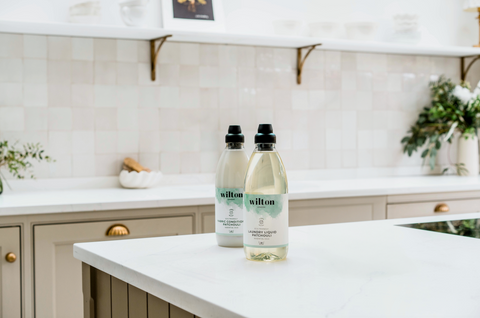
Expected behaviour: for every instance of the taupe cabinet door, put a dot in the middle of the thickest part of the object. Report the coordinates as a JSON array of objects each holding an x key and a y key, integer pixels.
[
  {"x": 10, "y": 282},
  {"x": 326, "y": 211},
  {"x": 58, "y": 275}
]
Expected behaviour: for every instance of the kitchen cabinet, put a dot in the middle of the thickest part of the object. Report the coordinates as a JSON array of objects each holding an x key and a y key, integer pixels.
[
  {"x": 207, "y": 215},
  {"x": 431, "y": 208},
  {"x": 415, "y": 205},
  {"x": 10, "y": 273},
  {"x": 323, "y": 211},
  {"x": 58, "y": 280}
]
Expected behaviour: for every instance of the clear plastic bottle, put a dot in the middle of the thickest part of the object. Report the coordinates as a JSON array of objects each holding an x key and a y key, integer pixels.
[
  {"x": 266, "y": 201},
  {"x": 229, "y": 189}
]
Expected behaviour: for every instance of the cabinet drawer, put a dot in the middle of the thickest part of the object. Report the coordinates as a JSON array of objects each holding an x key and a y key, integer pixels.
[
  {"x": 58, "y": 275},
  {"x": 324, "y": 211},
  {"x": 407, "y": 210}
]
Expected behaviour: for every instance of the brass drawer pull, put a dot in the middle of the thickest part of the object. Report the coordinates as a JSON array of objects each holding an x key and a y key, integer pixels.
[
  {"x": 441, "y": 207},
  {"x": 10, "y": 257},
  {"x": 117, "y": 230}
]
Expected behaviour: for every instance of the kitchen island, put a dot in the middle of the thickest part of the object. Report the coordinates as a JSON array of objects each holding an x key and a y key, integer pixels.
[{"x": 363, "y": 269}]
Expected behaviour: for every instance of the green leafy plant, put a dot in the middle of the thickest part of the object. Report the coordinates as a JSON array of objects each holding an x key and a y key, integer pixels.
[
  {"x": 18, "y": 160},
  {"x": 453, "y": 108},
  {"x": 458, "y": 168}
]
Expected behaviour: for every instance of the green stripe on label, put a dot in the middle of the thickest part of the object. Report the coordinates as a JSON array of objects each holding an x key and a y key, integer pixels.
[
  {"x": 263, "y": 205},
  {"x": 230, "y": 196}
]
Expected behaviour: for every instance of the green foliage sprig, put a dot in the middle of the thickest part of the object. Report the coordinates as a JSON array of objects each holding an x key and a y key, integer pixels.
[
  {"x": 446, "y": 114},
  {"x": 19, "y": 160}
]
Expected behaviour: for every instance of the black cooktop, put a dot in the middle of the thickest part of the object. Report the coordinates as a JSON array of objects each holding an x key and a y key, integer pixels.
[{"x": 470, "y": 228}]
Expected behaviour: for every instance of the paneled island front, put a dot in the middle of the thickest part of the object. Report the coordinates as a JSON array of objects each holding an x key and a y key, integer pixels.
[{"x": 389, "y": 268}]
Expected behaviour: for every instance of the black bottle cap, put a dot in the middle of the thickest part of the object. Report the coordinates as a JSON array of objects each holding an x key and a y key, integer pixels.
[
  {"x": 265, "y": 134},
  {"x": 234, "y": 134}
]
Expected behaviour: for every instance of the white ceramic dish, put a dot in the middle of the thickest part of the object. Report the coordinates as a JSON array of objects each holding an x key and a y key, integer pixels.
[
  {"x": 325, "y": 29},
  {"x": 133, "y": 15},
  {"x": 85, "y": 8},
  {"x": 361, "y": 31},
  {"x": 133, "y": 12},
  {"x": 405, "y": 22},
  {"x": 288, "y": 27},
  {"x": 85, "y": 13},
  {"x": 406, "y": 29},
  {"x": 139, "y": 180}
]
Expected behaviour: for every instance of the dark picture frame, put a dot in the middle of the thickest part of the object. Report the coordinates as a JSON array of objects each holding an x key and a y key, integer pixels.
[{"x": 193, "y": 9}]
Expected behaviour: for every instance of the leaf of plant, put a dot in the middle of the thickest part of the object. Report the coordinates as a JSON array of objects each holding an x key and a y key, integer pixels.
[
  {"x": 432, "y": 160},
  {"x": 425, "y": 153}
]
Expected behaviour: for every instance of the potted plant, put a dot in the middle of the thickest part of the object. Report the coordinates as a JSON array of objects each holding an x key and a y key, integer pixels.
[
  {"x": 18, "y": 159},
  {"x": 454, "y": 108}
]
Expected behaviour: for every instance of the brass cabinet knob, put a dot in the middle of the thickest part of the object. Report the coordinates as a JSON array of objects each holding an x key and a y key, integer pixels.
[
  {"x": 10, "y": 257},
  {"x": 441, "y": 207},
  {"x": 117, "y": 230}
]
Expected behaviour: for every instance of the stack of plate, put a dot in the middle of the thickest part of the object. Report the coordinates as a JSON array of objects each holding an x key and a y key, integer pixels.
[
  {"x": 406, "y": 28},
  {"x": 85, "y": 12}
]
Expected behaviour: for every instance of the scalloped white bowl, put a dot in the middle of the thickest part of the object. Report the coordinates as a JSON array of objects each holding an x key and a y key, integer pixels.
[{"x": 139, "y": 180}]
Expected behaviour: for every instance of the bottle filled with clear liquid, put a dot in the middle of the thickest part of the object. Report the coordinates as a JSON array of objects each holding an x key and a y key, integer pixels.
[
  {"x": 229, "y": 190},
  {"x": 265, "y": 235}
]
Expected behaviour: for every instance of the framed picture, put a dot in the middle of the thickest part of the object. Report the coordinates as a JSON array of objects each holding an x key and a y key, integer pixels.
[{"x": 204, "y": 15}]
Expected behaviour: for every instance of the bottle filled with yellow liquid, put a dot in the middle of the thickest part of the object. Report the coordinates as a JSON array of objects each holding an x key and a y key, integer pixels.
[{"x": 265, "y": 228}]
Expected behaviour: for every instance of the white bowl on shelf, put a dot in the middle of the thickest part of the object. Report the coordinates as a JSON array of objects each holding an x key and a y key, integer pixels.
[
  {"x": 287, "y": 27},
  {"x": 406, "y": 29},
  {"x": 134, "y": 12},
  {"x": 324, "y": 29},
  {"x": 85, "y": 13},
  {"x": 361, "y": 31},
  {"x": 405, "y": 22},
  {"x": 140, "y": 180}
]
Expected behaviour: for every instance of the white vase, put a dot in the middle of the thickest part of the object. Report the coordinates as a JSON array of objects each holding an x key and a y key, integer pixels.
[{"x": 468, "y": 154}]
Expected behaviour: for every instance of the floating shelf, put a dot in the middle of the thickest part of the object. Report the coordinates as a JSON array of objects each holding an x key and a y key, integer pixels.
[{"x": 122, "y": 32}]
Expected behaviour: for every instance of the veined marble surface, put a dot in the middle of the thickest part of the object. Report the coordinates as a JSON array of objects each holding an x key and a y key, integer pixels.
[
  {"x": 114, "y": 198},
  {"x": 365, "y": 269}
]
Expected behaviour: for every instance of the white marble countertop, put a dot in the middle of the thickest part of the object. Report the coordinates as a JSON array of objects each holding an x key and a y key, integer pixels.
[
  {"x": 111, "y": 198},
  {"x": 365, "y": 269}
]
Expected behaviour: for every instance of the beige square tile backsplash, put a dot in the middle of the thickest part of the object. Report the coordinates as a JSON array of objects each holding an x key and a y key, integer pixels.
[{"x": 91, "y": 103}]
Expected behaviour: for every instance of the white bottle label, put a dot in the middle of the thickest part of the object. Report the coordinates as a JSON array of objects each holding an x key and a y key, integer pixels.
[
  {"x": 229, "y": 211},
  {"x": 266, "y": 220}
]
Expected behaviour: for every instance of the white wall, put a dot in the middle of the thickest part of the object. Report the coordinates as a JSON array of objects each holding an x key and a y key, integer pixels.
[
  {"x": 93, "y": 107},
  {"x": 444, "y": 20}
]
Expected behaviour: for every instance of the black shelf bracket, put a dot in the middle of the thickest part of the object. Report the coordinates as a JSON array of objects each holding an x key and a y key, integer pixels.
[
  {"x": 301, "y": 60},
  {"x": 463, "y": 70},
  {"x": 154, "y": 54}
]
